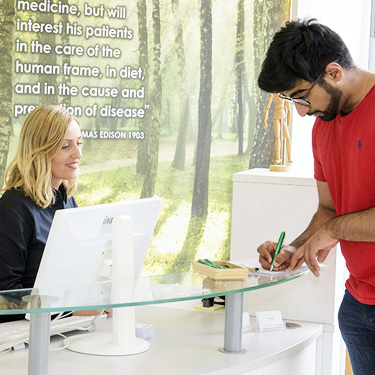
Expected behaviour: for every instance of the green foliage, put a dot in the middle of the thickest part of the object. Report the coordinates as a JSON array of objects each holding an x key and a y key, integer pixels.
[
  {"x": 177, "y": 241},
  {"x": 99, "y": 150}
]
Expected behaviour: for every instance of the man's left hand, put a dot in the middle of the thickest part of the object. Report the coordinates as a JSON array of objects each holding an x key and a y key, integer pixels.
[{"x": 313, "y": 251}]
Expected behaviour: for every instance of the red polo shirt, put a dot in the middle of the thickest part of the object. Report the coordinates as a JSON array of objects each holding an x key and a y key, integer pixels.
[{"x": 344, "y": 157}]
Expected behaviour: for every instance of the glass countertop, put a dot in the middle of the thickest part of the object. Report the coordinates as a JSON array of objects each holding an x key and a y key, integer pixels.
[{"x": 131, "y": 292}]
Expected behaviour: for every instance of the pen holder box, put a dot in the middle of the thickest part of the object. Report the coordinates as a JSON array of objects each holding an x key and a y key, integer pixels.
[
  {"x": 224, "y": 285},
  {"x": 233, "y": 273}
]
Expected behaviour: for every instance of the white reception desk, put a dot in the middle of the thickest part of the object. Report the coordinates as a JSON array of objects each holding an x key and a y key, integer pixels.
[{"x": 186, "y": 342}]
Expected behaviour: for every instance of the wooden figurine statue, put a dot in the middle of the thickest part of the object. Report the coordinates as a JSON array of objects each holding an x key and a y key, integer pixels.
[{"x": 281, "y": 122}]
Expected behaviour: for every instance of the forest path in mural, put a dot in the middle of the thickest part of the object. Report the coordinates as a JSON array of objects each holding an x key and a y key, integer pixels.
[{"x": 166, "y": 153}]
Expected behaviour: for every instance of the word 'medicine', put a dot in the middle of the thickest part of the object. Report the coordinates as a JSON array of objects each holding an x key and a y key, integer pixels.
[{"x": 47, "y": 7}]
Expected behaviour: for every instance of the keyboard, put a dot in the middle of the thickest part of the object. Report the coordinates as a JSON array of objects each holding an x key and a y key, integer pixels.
[{"x": 16, "y": 338}]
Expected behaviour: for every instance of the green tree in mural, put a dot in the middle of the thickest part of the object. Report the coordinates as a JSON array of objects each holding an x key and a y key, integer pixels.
[
  {"x": 50, "y": 95},
  {"x": 65, "y": 58},
  {"x": 269, "y": 15},
  {"x": 7, "y": 12},
  {"x": 156, "y": 98},
  {"x": 142, "y": 152},
  {"x": 217, "y": 118},
  {"x": 250, "y": 101},
  {"x": 184, "y": 113},
  {"x": 200, "y": 193},
  {"x": 239, "y": 65}
]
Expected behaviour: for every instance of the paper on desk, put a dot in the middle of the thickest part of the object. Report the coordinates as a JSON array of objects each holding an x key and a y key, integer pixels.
[{"x": 254, "y": 263}]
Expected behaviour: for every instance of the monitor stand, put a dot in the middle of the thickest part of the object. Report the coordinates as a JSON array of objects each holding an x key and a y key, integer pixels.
[{"x": 122, "y": 340}]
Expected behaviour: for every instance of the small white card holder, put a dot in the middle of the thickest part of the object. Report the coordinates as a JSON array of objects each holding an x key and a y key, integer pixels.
[{"x": 269, "y": 321}]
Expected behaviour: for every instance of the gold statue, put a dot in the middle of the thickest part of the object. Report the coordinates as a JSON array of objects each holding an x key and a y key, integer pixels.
[{"x": 281, "y": 123}]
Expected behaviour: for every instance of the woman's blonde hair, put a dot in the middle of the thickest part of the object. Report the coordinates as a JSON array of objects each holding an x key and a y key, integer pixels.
[{"x": 42, "y": 137}]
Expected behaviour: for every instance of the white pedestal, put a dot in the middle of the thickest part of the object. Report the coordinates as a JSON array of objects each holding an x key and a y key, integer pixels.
[
  {"x": 264, "y": 204},
  {"x": 122, "y": 340}
]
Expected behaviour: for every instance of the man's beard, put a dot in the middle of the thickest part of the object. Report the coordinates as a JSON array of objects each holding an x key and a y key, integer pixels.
[{"x": 333, "y": 107}]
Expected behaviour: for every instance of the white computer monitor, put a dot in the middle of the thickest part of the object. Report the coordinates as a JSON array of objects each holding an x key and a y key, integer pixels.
[
  {"x": 80, "y": 241},
  {"x": 78, "y": 245}
]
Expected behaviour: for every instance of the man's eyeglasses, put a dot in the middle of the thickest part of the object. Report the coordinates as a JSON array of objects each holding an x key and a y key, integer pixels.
[{"x": 302, "y": 100}]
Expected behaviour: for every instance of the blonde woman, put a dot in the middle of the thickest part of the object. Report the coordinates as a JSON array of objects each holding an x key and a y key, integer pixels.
[{"x": 40, "y": 180}]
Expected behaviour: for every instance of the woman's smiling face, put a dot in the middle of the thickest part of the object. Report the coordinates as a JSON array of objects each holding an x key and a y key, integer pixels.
[{"x": 65, "y": 164}]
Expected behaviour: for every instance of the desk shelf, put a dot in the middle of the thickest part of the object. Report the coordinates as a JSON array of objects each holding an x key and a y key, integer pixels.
[{"x": 136, "y": 292}]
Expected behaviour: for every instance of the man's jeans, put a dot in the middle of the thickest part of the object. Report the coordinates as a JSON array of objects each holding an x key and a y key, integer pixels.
[{"x": 357, "y": 325}]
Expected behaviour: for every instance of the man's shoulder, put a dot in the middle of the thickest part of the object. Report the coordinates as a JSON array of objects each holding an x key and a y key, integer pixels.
[{"x": 320, "y": 125}]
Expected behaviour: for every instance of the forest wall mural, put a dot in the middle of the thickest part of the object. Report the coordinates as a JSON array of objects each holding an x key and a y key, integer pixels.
[{"x": 165, "y": 92}]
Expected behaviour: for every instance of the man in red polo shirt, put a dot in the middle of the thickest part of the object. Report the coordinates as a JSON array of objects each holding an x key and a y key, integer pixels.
[{"x": 310, "y": 65}]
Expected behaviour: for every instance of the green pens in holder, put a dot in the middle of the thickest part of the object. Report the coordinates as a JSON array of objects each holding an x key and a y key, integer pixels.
[{"x": 209, "y": 263}]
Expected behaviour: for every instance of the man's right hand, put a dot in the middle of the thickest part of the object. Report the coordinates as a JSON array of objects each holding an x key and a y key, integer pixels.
[{"x": 267, "y": 251}]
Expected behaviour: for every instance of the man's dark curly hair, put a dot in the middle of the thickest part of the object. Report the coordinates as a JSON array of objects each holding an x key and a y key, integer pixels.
[{"x": 301, "y": 50}]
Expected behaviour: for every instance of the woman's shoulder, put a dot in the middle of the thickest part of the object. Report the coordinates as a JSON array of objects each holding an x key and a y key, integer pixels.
[
  {"x": 15, "y": 199},
  {"x": 71, "y": 202}
]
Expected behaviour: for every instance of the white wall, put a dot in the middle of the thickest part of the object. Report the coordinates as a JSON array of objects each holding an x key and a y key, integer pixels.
[{"x": 351, "y": 20}]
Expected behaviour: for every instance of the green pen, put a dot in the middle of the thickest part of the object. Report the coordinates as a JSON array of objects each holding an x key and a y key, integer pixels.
[
  {"x": 209, "y": 263},
  {"x": 278, "y": 248}
]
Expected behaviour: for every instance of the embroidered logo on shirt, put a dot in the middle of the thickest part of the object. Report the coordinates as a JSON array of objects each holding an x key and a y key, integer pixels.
[{"x": 359, "y": 144}]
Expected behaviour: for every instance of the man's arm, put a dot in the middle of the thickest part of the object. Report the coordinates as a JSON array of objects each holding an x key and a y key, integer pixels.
[
  {"x": 325, "y": 212},
  {"x": 356, "y": 226}
]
